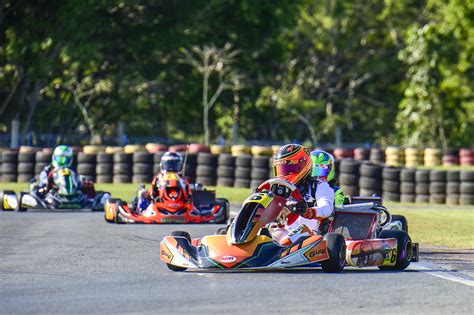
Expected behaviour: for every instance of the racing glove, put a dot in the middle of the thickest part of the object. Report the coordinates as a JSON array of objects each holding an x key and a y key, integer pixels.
[{"x": 299, "y": 208}]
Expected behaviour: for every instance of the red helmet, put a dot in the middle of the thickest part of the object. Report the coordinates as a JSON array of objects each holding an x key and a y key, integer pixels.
[{"x": 293, "y": 163}]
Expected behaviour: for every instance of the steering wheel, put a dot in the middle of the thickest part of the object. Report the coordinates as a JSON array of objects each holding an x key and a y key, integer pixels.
[{"x": 275, "y": 184}]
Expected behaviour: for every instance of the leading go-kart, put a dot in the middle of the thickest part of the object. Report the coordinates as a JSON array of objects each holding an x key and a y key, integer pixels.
[
  {"x": 66, "y": 194},
  {"x": 173, "y": 204},
  {"x": 247, "y": 245}
]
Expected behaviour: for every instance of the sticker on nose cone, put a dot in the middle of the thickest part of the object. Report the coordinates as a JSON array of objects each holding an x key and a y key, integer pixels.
[{"x": 227, "y": 259}]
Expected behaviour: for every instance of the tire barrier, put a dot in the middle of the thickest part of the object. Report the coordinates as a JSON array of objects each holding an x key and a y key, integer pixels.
[
  {"x": 422, "y": 189},
  {"x": 394, "y": 156},
  {"x": 225, "y": 170},
  {"x": 432, "y": 157},
  {"x": 240, "y": 149},
  {"x": 437, "y": 187},
  {"x": 391, "y": 184},
  {"x": 466, "y": 157},
  {"x": 370, "y": 180},
  {"x": 9, "y": 166},
  {"x": 413, "y": 157},
  {"x": 349, "y": 176},
  {"x": 142, "y": 169},
  {"x": 219, "y": 149},
  {"x": 86, "y": 165},
  {"x": 466, "y": 188},
  {"x": 407, "y": 185},
  {"x": 260, "y": 170},
  {"x": 26, "y": 166},
  {"x": 342, "y": 153},
  {"x": 361, "y": 154},
  {"x": 206, "y": 170},
  {"x": 377, "y": 155},
  {"x": 104, "y": 168},
  {"x": 189, "y": 168},
  {"x": 122, "y": 168},
  {"x": 242, "y": 171}
]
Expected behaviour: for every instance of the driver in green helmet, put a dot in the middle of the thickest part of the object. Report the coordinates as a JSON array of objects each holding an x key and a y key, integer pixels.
[
  {"x": 324, "y": 170},
  {"x": 62, "y": 157}
]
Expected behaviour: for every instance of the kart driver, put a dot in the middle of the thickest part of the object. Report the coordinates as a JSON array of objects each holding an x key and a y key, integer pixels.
[
  {"x": 62, "y": 158},
  {"x": 170, "y": 162},
  {"x": 294, "y": 163},
  {"x": 324, "y": 170}
]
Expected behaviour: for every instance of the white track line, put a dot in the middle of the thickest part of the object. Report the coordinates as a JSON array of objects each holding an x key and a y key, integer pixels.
[{"x": 443, "y": 274}]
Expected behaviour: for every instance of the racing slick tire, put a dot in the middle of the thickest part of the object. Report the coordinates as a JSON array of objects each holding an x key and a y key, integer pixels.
[
  {"x": 404, "y": 249},
  {"x": 20, "y": 208},
  {"x": 336, "y": 247}
]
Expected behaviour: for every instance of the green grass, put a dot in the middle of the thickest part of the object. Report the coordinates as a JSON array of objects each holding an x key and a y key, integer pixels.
[{"x": 437, "y": 225}]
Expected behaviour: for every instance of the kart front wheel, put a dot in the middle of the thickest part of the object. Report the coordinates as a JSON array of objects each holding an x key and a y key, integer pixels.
[
  {"x": 403, "y": 221},
  {"x": 175, "y": 268},
  {"x": 404, "y": 249},
  {"x": 336, "y": 247}
]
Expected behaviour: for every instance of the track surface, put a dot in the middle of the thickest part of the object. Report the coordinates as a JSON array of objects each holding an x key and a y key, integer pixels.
[{"x": 77, "y": 263}]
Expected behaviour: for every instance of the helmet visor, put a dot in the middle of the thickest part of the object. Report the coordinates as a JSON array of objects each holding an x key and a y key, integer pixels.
[
  {"x": 320, "y": 170},
  {"x": 171, "y": 165},
  {"x": 62, "y": 161},
  {"x": 287, "y": 167}
]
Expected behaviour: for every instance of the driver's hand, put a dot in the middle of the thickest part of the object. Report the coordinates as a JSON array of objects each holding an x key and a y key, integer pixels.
[{"x": 299, "y": 207}]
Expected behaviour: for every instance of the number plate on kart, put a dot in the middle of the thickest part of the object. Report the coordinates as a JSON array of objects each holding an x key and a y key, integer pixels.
[{"x": 173, "y": 220}]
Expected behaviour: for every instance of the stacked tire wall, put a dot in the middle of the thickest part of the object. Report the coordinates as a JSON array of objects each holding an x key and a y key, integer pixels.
[
  {"x": 225, "y": 170},
  {"x": 9, "y": 166},
  {"x": 242, "y": 170},
  {"x": 206, "y": 170},
  {"x": 86, "y": 165},
  {"x": 349, "y": 176},
  {"x": 370, "y": 181},
  {"x": 104, "y": 168},
  {"x": 142, "y": 170},
  {"x": 122, "y": 168}
]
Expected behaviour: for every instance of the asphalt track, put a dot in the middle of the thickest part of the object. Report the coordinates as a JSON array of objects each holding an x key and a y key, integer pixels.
[{"x": 77, "y": 263}]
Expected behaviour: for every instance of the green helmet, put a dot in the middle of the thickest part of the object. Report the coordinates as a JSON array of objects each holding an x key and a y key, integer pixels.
[
  {"x": 62, "y": 156},
  {"x": 323, "y": 165}
]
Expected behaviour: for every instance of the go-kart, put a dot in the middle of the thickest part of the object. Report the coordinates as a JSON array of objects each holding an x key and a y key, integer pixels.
[
  {"x": 65, "y": 195},
  {"x": 373, "y": 236},
  {"x": 248, "y": 244},
  {"x": 173, "y": 205}
]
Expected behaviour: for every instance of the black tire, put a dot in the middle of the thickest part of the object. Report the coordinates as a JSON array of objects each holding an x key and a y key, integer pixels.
[
  {"x": 260, "y": 162},
  {"x": 437, "y": 198},
  {"x": 9, "y": 168},
  {"x": 142, "y": 157},
  {"x": 86, "y": 169},
  {"x": 437, "y": 188},
  {"x": 122, "y": 168},
  {"x": 9, "y": 178},
  {"x": 466, "y": 176},
  {"x": 391, "y": 174},
  {"x": 403, "y": 220},
  {"x": 191, "y": 159},
  {"x": 243, "y": 160},
  {"x": 404, "y": 249},
  {"x": 24, "y": 178},
  {"x": 225, "y": 171},
  {"x": 370, "y": 183},
  {"x": 242, "y": 183},
  {"x": 349, "y": 166},
  {"x": 391, "y": 196},
  {"x": 336, "y": 247},
  {"x": 437, "y": 176},
  {"x": 206, "y": 171},
  {"x": 453, "y": 176},
  {"x": 371, "y": 170},
  {"x": 104, "y": 179},
  {"x": 225, "y": 181},
  {"x": 83, "y": 158},
  {"x": 9, "y": 157},
  {"x": 466, "y": 199},
  {"x": 467, "y": 188},
  {"x": 157, "y": 157},
  {"x": 422, "y": 176},
  {"x": 105, "y": 158},
  {"x": 350, "y": 190},
  {"x": 407, "y": 197},
  {"x": 348, "y": 179},
  {"x": 26, "y": 168},
  {"x": 259, "y": 173},
  {"x": 121, "y": 178},
  {"x": 422, "y": 198},
  {"x": 21, "y": 209},
  {"x": 242, "y": 172},
  {"x": 26, "y": 157},
  {"x": 206, "y": 159},
  {"x": 407, "y": 188},
  {"x": 422, "y": 188},
  {"x": 142, "y": 168},
  {"x": 43, "y": 157},
  {"x": 452, "y": 199},
  {"x": 104, "y": 169},
  {"x": 407, "y": 175},
  {"x": 122, "y": 158},
  {"x": 207, "y": 181},
  {"x": 391, "y": 186},
  {"x": 226, "y": 160},
  {"x": 141, "y": 178},
  {"x": 369, "y": 192}
]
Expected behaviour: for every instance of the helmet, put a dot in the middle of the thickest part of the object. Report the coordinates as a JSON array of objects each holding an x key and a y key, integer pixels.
[
  {"x": 62, "y": 156},
  {"x": 323, "y": 165},
  {"x": 171, "y": 162},
  {"x": 293, "y": 163}
]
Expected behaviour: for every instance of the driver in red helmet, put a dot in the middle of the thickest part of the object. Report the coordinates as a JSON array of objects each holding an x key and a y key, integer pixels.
[{"x": 292, "y": 162}]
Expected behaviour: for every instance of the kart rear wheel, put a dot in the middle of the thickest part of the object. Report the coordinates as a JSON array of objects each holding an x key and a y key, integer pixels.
[
  {"x": 336, "y": 247},
  {"x": 404, "y": 249},
  {"x": 20, "y": 208},
  {"x": 175, "y": 268},
  {"x": 182, "y": 234},
  {"x": 402, "y": 219}
]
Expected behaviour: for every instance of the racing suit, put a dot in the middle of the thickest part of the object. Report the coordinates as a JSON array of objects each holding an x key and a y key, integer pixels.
[
  {"x": 46, "y": 181},
  {"x": 319, "y": 197}
]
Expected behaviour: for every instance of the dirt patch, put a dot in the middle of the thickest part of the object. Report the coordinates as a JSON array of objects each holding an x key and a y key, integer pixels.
[{"x": 459, "y": 260}]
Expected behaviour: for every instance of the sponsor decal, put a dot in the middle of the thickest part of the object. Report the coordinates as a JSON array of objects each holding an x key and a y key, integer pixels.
[
  {"x": 165, "y": 254},
  {"x": 284, "y": 262},
  {"x": 227, "y": 259},
  {"x": 317, "y": 252}
]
